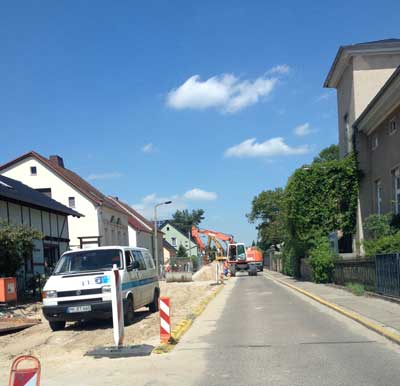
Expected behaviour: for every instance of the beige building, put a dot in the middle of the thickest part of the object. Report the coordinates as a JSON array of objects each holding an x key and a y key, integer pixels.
[
  {"x": 366, "y": 78},
  {"x": 358, "y": 72},
  {"x": 378, "y": 147}
]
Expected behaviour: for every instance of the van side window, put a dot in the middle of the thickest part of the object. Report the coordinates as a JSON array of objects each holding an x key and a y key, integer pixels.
[
  {"x": 128, "y": 259},
  {"x": 139, "y": 258},
  {"x": 148, "y": 259}
]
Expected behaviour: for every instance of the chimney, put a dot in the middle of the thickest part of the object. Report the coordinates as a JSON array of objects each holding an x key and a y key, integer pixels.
[{"x": 56, "y": 160}]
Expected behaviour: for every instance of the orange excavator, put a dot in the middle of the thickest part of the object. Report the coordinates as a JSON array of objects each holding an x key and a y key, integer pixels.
[
  {"x": 213, "y": 236},
  {"x": 235, "y": 252}
]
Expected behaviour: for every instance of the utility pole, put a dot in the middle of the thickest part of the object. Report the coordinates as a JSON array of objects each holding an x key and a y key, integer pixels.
[{"x": 155, "y": 236}]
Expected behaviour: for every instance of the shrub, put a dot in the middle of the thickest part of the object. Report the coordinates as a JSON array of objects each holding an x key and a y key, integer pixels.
[
  {"x": 378, "y": 225},
  {"x": 321, "y": 260},
  {"x": 384, "y": 244},
  {"x": 356, "y": 288}
]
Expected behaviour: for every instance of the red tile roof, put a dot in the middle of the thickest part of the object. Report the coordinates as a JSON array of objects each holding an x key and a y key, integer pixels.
[
  {"x": 135, "y": 219},
  {"x": 76, "y": 181}
]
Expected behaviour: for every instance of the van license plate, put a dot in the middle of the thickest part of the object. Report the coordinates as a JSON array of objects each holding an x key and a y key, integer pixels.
[{"x": 72, "y": 310}]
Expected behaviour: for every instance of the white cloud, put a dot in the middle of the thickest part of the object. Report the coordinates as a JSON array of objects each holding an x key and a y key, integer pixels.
[
  {"x": 104, "y": 176},
  {"x": 148, "y": 148},
  {"x": 303, "y": 130},
  {"x": 200, "y": 195},
  {"x": 279, "y": 69},
  {"x": 179, "y": 202},
  {"x": 225, "y": 92},
  {"x": 273, "y": 147}
]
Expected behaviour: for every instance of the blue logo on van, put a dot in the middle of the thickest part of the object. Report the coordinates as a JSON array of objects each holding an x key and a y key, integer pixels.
[{"x": 102, "y": 280}]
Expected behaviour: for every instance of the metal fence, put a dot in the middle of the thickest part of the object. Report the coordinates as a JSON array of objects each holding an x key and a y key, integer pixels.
[
  {"x": 388, "y": 274},
  {"x": 360, "y": 271}
]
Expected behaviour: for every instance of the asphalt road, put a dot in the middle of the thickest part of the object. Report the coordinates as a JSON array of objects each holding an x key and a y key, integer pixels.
[{"x": 267, "y": 334}]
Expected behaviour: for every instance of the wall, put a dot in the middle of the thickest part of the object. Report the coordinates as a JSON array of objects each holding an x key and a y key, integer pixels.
[
  {"x": 345, "y": 102},
  {"x": 379, "y": 166},
  {"x": 113, "y": 227},
  {"x": 370, "y": 73},
  {"x": 60, "y": 191}
]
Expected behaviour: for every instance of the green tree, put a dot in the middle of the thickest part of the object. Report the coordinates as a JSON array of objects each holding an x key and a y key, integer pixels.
[
  {"x": 16, "y": 243},
  {"x": 183, "y": 219},
  {"x": 267, "y": 210},
  {"x": 330, "y": 153},
  {"x": 181, "y": 251}
]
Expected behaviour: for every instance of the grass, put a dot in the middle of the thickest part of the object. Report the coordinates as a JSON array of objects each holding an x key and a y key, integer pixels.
[{"x": 356, "y": 288}]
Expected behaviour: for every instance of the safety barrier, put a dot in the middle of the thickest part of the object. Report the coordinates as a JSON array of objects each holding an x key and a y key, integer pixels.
[{"x": 165, "y": 324}]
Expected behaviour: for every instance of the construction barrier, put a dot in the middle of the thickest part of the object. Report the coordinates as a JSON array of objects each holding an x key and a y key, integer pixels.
[
  {"x": 165, "y": 325},
  {"x": 21, "y": 375}
]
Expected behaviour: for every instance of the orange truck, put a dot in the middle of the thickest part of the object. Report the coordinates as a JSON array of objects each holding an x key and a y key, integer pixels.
[{"x": 255, "y": 255}]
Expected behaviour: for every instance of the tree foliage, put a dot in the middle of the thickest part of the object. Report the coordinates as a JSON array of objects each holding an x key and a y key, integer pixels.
[
  {"x": 183, "y": 219},
  {"x": 181, "y": 251},
  {"x": 16, "y": 242},
  {"x": 322, "y": 198},
  {"x": 318, "y": 199},
  {"x": 267, "y": 211},
  {"x": 330, "y": 153}
]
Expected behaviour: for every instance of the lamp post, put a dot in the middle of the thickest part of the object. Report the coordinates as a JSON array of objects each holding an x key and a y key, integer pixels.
[{"x": 155, "y": 241}]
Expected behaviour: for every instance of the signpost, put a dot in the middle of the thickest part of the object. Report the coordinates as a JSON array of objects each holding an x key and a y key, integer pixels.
[{"x": 117, "y": 306}]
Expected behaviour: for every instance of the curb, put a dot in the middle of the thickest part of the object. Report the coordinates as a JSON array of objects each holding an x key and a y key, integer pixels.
[
  {"x": 352, "y": 315},
  {"x": 185, "y": 324}
]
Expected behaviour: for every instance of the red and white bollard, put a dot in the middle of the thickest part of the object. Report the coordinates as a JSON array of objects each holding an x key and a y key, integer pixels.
[
  {"x": 21, "y": 375},
  {"x": 165, "y": 325}
]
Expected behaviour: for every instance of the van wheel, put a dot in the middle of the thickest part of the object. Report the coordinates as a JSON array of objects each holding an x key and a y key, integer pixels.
[
  {"x": 57, "y": 326},
  {"x": 130, "y": 312},
  {"x": 154, "y": 306}
]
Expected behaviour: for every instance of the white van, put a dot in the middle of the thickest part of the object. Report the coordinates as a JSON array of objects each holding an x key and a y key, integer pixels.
[{"x": 79, "y": 288}]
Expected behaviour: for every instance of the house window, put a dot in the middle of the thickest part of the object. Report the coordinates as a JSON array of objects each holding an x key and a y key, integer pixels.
[
  {"x": 173, "y": 241},
  {"x": 375, "y": 142},
  {"x": 392, "y": 127},
  {"x": 378, "y": 195},
  {"x": 33, "y": 171},
  {"x": 167, "y": 228},
  {"x": 396, "y": 176},
  {"x": 71, "y": 202}
]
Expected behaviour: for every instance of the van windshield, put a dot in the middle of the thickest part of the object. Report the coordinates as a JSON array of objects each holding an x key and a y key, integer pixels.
[{"x": 89, "y": 261}]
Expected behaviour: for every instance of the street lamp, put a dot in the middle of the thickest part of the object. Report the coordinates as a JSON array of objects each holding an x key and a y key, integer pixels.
[{"x": 155, "y": 241}]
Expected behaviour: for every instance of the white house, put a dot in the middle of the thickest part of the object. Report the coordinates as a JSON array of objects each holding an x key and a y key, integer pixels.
[
  {"x": 103, "y": 220},
  {"x": 140, "y": 230},
  {"x": 22, "y": 205}
]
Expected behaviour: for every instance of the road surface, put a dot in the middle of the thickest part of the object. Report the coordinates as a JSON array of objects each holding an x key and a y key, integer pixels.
[
  {"x": 255, "y": 332},
  {"x": 269, "y": 335}
]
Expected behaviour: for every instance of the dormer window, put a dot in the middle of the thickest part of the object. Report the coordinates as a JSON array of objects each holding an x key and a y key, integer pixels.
[{"x": 33, "y": 171}]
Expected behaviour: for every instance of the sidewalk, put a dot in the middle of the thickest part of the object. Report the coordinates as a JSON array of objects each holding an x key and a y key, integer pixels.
[{"x": 382, "y": 312}]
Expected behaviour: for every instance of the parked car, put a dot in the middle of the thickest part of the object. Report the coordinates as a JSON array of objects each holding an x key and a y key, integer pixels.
[{"x": 79, "y": 288}]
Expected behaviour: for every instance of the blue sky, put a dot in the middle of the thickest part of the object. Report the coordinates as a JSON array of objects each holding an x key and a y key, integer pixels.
[{"x": 194, "y": 101}]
